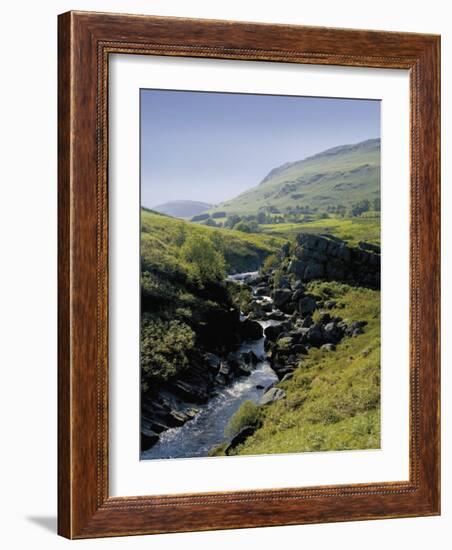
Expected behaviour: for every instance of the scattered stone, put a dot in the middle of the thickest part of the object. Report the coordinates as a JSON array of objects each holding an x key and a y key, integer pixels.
[{"x": 272, "y": 395}]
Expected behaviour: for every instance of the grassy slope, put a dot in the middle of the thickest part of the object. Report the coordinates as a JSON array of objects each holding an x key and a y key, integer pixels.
[
  {"x": 344, "y": 176},
  {"x": 349, "y": 229},
  {"x": 333, "y": 400},
  {"x": 161, "y": 235}
]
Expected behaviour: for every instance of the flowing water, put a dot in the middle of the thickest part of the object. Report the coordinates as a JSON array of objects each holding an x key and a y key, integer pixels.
[{"x": 196, "y": 437}]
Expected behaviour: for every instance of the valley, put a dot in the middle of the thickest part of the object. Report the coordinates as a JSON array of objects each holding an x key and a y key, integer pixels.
[{"x": 260, "y": 317}]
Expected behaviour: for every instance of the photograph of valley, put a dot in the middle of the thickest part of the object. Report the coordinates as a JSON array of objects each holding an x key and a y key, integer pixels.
[{"x": 260, "y": 274}]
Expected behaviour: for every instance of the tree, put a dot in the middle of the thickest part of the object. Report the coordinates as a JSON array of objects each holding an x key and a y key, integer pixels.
[
  {"x": 200, "y": 217},
  {"x": 247, "y": 227},
  {"x": 377, "y": 204},
  {"x": 232, "y": 220},
  {"x": 360, "y": 207},
  {"x": 261, "y": 217},
  {"x": 204, "y": 261},
  {"x": 341, "y": 210}
]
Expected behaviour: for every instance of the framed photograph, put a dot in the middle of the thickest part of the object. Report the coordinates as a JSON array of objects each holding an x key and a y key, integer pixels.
[{"x": 248, "y": 275}]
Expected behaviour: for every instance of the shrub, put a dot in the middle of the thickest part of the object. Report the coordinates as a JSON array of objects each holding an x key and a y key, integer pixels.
[
  {"x": 270, "y": 261},
  {"x": 247, "y": 226},
  {"x": 248, "y": 414},
  {"x": 219, "y": 215},
  {"x": 206, "y": 263},
  {"x": 200, "y": 217},
  {"x": 164, "y": 348}
]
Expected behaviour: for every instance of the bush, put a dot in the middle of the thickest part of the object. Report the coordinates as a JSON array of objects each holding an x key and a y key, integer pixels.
[
  {"x": 270, "y": 261},
  {"x": 248, "y": 414},
  {"x": 200, "y": 217},
  {"x": 205, "y": 262},
  {"x": 247, "y": 226},
  {"x": 219, "y": 215},
  {"x": 164, "y": 348}
]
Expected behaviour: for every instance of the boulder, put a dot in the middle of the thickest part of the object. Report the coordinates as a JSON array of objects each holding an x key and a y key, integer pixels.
[
  {"x": 273, "y": 331},
  {"x": 249, "y": 357},
  {"x": 369, "y": 247},
  {"x": 262, "y": 291},
  {"x": 307, "y": 305},
  {"x": 212, "y": 360},
  {"x": 314, "y": 335},
  {"x": 272, "y": 395},
  {"x": 284, "y": 282},
  {"x": 275, "y": 316},
  {"x": 266, "y": 307},
  {"x": 328, "y": 347},
  {"x": 189, "y": 391},
  {"x": 307, "y": 321},
  {"x": 332, "y": 333},
  {"x": 240, "y": 437},
  {"x": 281, "y": 296},
  {"x": 285, "y": 249},
  {"x": 250, "y": 330},
  {"x": 297, "y": 267},
  {"x": 148, "y": 439},
  {"x": 314, "y": 271},
  {"x": 299, "y": 293}
]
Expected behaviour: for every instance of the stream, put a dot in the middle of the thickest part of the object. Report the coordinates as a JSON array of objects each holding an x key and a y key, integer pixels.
[{"x": 198, "y": 436}]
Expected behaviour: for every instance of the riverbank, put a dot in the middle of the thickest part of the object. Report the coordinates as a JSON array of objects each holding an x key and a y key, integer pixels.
[{"x": 246, "y": 361}]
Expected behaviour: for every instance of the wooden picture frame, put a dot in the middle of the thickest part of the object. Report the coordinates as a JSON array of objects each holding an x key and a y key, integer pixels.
[{"x": 86, "y": 40}]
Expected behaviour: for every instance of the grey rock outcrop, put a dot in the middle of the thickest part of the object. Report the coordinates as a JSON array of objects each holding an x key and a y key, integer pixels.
[{"x": 322, "y": 257}]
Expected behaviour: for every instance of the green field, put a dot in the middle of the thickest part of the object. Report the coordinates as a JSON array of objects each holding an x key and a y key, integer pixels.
[{"x": 352, "y": 230}]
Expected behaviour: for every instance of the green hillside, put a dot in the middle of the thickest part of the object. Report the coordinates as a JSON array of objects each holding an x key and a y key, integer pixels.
[
  {"x": 163, "y": 236},
  {"x": 341, "y": 176}
]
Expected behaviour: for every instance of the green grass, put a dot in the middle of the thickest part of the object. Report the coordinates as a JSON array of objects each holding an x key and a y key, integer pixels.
[
  {"x": 352, "y": 230},
  {"x": 341, "y": 177},
  {"x": 163, "y": 236},
  {"x": 333, "y": 399}
]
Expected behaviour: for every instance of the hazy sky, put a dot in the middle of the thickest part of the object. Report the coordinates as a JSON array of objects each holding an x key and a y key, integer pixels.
[{"x": 211, "y": 147}]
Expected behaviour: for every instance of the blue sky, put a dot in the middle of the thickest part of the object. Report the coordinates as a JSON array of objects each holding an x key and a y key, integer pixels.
[{"x": 211, "y": 147}]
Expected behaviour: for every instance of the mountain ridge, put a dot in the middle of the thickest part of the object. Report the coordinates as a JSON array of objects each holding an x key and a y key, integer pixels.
[
  {"x": 184, "y": 209},
  {"x": 341, "y": 175}
]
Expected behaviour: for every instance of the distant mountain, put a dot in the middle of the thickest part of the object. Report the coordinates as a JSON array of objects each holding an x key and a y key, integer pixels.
[
  {"x": 342, "y": 175},
  {"x": 182, "y": 209}
]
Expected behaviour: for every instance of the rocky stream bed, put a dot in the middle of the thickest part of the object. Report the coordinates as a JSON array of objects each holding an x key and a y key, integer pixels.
[{"x": 188, "y": 416}]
